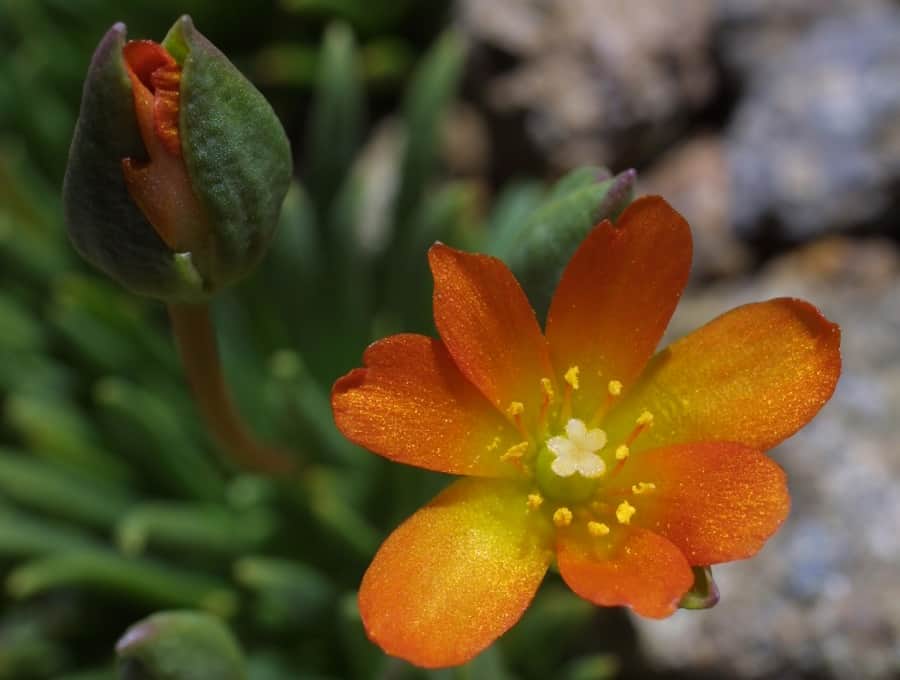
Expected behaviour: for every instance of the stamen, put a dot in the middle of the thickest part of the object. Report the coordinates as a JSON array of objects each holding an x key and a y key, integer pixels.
[
  {"x": 515, "y": 408},
  {"x": 494, "y": 445},
  {"x": 622, "y": 453},
  {"x": 515, "y": 411},
  {"x": 562, "y": 516},
  {"x": 642, "y": 487},
  {"x": 535, "y": 500},
  {"x": 571, "y": 377},
  {"x": 515, "y": 452},
  {"x": 547, "y": 391},
  {"x": 597, "y": 529},
  {"x": 613, "y": 390},
  {"x": 643, "y": 421},
  {"x": 625, "y": 512}
]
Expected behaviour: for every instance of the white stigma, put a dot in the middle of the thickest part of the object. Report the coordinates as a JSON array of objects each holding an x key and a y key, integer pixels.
[{"x": 576, "y": 451}]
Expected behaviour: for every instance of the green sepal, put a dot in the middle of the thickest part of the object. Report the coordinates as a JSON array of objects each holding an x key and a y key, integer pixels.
[
  {"x": 105, "y": 225},
  {"x": 180, "y": 645},
  {"x": 237, "y": 154},
  {"x": 704, "y": 594}
]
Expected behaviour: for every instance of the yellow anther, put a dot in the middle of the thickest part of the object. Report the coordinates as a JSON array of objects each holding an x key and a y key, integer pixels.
[
  {"x": 625, "y": 512},
  {"x": 562, "y": 516},
  {"x": 494, "y": 445},
  {"x": 547, "y": 388},
  {"x": 515, "y": 452},
  {"x": 535, "y": 500},
  {"x": 571, "y": 377},
  {"x": 646, "y": 418},
  {"x": 515, "y": 408},
  {"x": 597, "y": 529},
  {"x": 622, "y": 452},
  {"x": 643, "y": 487},
  {"x": 614, "y": 387}
]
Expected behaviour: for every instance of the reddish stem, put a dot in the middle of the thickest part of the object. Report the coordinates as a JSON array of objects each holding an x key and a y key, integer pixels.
[{"x": 196, "y": 340}]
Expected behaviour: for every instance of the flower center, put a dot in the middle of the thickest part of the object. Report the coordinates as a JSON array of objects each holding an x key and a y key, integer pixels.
[
  {"x": 576, "y": 451},
  {"x": 568, "y": 465},
  {"x": 575, "y": 471}
]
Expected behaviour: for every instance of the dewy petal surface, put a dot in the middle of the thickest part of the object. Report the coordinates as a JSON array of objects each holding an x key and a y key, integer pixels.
[
  {"x": 489, "y": 328},
  {"x": 617, "y": 295},
  {"x": 716, "y": 501},
  {"x": 456, "y": 575},
  {"x": 635, "y": 568},
  {"x": 754, "y": 375},
  {"x": 412, "y": 405}
]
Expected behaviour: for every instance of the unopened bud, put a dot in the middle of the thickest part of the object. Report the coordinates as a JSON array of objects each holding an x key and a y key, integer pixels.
[
  {"x": 178, "y": 166},
  {"x": 179, "y": 645}
]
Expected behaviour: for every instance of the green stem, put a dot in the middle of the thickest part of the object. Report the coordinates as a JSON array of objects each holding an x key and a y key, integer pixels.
[{"x": 196, "y": 339}]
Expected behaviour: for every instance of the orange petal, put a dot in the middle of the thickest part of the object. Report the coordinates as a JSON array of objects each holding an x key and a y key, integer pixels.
[
  {"x": 489, "y": 327},
  {"x": 716, "y": 501},
  {"x": 143, "y": 57},
  {"x": 412, "y": 405},
  {"x": 616, "y": 296},
  {"x": 456, "y": 575},
  {"x": 158, "y": 73},
  {"x": 632, "y": 567},
  {"x": 755, "y": 375},
  {"x": 161, "y": 186}
]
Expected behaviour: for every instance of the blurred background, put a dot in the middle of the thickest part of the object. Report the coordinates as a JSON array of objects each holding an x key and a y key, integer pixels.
[{"x": 773, "y": 125}]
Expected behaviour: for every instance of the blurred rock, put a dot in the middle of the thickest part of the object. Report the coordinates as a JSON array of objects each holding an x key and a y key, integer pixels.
[
  {"x": 814, "y": 145},
  {"x": 694, "y": 179},
  {"x": 465, "y": 143},
  {"x": 754, "y": 32},
  {"x": 823, "y": 598},
  {"x": 600, "y": 82}
]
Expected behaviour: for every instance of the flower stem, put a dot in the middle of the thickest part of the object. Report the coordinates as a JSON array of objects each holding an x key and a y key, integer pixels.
[{"x": 196, "y": 340}]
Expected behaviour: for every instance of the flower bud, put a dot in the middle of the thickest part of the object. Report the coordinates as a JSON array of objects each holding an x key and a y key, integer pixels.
[
  {"x": 178, "y": 166},
  {"x": 577, "y": 203},
  {"x": 180, "y": 645}
]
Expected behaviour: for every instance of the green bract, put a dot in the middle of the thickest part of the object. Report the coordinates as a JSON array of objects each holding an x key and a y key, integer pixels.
[{"x": 237, "y": 157}]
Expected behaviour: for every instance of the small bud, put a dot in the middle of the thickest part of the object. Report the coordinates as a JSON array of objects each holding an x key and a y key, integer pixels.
[
  {"x": 177, "y": 169},
  {"x": 546, "y": 242},
  {"x": 704, "y": 594},
  {"x": 179, "y": 645}
]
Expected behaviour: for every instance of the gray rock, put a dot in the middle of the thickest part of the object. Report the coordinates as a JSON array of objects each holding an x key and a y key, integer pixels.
[
  {"x": 599, "y": 82},
  {"x": 754, "y": 32},
  {"x": 814, "y": 146},
  {"x": 823, "y": 597}
]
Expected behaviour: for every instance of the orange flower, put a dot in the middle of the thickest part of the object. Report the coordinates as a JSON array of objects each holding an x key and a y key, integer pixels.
[{"x": 629, "y": 467}]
